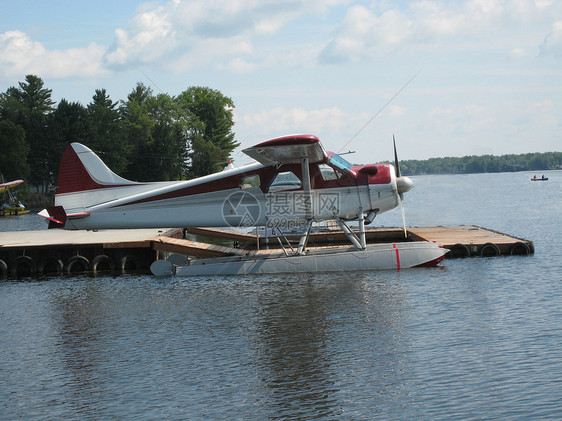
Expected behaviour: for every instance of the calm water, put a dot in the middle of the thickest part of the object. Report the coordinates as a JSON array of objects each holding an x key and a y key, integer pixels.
[{"x": 474, "y": 339}]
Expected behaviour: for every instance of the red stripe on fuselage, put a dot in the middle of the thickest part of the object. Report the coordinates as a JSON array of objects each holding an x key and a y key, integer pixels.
[{"x": 266, "y": 174}]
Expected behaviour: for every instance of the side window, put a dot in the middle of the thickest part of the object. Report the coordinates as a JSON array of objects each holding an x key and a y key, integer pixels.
[
  {"x": 285, "y": 181},
  {"x": 250, "y": 181},
  {"x": 329, "y": 173}
]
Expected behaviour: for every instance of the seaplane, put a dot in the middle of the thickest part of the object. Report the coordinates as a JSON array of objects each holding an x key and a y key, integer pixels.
[
  {"x": 293, "y": 183},
  {"x": 9, "y": 203}
]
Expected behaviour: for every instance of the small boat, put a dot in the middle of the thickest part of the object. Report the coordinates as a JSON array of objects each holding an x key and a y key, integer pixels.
[{"x": 543, "y": 178}]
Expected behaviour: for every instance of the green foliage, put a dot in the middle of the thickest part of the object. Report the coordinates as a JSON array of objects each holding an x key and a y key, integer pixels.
[
  {"x": 66, "y": 124},
  {"x": 107, "y": 132},
  {"x": 14, "y": 150},
  {"x": 29, "y": 106},
  {"x": 34, "y": 96},
  {"x": 156, "y": 131},
  {"x": 145, "y": 138},
  {"x": 211, "y": 137},
  {"x": 205, "y": 157}
]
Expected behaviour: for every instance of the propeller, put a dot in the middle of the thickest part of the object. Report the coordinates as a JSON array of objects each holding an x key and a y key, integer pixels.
[{"x": 403, "y": 184}]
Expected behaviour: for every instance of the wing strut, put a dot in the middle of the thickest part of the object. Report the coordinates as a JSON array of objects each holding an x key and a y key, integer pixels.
[{"x": 309, "y": 210}]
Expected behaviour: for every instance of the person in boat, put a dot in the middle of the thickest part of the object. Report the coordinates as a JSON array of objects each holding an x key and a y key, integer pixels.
[{"x": 535, "y": 177}]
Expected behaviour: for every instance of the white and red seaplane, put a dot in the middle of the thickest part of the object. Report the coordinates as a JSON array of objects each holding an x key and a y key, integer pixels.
[{"x": 294, "y": 183}]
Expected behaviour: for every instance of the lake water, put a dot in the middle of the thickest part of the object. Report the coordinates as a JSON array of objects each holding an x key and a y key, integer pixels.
[{"x": 476, "y": 338}]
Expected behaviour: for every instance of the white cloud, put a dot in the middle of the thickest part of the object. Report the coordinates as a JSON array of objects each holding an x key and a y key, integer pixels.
[
  {"x": 241, "y": 66},
  {"x": 517, "y": 53},
  {"x": 150, "y": 37},
  {"x": 370, "y": 33},
  {"x": 475, "y": 109},
  {"x": 247, "y": 35},
  {"x": 178, "y": 30},
  {"x": 468, "y": 120},
  {"x": 178, "y": 35},
  {"x": 544, "y": 106},
  {"x": 438, "y": 112},
  {"x": 20, "y": 55},
  {"x": 396, "y": 111},
  {"x": 295, "y": 119},
  {"x": 364, "y": 34},
  {"x": 332, "y": 125}
]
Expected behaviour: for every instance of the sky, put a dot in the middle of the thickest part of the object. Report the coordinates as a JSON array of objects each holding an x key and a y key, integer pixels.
[{"x": 446, "y": 78}]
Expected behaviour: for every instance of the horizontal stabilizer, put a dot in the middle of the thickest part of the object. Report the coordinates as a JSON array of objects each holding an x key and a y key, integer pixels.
[{"x": 56, "y": 216}]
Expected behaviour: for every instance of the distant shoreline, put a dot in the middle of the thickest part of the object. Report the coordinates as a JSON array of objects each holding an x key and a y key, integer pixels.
[{"x": 483, "y": 164}]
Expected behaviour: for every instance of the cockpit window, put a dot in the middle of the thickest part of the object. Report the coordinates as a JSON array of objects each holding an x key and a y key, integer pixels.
[
  {"x": 285, "y": 181},
  {"x": 329, "y": 173},
  {"x": 339, "y": 162},
  {"x": 250, "y": 181}
]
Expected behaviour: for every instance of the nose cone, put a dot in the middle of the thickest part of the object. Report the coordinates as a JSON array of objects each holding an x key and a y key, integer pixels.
[{"x": 404, "y": 184}]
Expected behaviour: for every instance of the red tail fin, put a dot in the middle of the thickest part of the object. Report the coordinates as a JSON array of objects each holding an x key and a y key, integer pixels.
[{"x": 81, "y": 169}]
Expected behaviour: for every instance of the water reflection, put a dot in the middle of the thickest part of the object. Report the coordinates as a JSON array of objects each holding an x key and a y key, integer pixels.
[
  {"x": 77, "y": 316},
  {"x": 308, "y": 346},
  {"x": 316, "y": 337},
  {"x": 294, "y": 327}
]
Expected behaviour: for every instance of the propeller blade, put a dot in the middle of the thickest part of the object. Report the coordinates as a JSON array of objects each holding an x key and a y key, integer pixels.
[
  {"x": 403, "y": 216},
  {"x": 396, "y": 164}
]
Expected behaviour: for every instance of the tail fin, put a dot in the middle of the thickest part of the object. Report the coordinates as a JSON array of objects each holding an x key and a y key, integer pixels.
[
  {"x": 81, "y": 169},
  {"x": 84, "y": 181}
]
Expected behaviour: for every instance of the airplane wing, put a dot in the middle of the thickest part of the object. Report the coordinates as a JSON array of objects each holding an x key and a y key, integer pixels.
[
  {"x": 288, "y": 150},
  {"x": 9, "y": 185}
]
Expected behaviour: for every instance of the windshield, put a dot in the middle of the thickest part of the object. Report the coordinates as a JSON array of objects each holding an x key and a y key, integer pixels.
[{"x": 339, "y": 162}]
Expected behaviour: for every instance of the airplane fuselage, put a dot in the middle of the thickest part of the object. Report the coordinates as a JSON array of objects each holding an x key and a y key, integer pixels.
[
  {"x": 247, "y": 196},
  {"x": 294, "y": 181}
]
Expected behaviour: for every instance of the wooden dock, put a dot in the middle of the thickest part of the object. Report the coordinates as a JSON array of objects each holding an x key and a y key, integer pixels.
[
  {"x": 462, "y": 240},
  {"x": 470, "y": 240},
  {"x": 323, "y": 237},
  {"x": 31, "y": 253}
]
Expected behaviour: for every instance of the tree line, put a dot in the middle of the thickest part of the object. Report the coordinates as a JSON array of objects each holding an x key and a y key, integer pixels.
[
  {"x": 146, "y": 137},
  {"x": 483, "y": 164}
]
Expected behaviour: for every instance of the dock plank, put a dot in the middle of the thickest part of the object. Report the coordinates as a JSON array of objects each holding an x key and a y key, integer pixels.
[
  {"x": 57, "y": 237},
  {"x": 225, "y": 234},
  {"x": 327, "y": 237},
  {"x": 196, "y": 248}
]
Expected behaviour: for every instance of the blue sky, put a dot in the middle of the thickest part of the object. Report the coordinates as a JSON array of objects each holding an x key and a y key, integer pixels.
[{"x": 489, "y": 73}]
